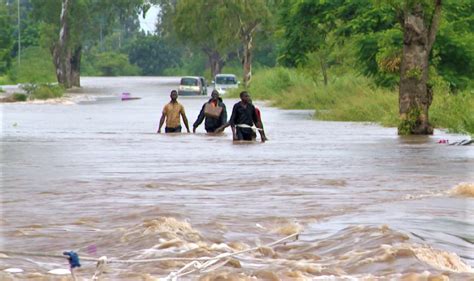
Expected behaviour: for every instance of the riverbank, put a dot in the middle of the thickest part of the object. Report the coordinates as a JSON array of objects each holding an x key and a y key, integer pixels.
[{"x": 352, "y": 97}]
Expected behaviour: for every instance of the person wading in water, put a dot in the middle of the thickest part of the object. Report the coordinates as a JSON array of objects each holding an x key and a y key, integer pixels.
[
  {"x": 243, "y": 117},
  {"x": 214, "y": 112},
  {"x": 261, "y": 130},
  {"x": 172, "y": 113}
]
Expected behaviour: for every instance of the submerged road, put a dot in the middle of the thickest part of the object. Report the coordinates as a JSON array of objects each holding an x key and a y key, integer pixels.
[{"x": 89, "y": 173}]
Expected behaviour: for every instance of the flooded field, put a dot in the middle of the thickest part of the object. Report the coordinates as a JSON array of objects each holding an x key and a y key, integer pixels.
[{"x": 89, "y": 173}]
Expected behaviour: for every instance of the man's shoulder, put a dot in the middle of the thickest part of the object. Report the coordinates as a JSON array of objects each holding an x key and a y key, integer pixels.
[
  {"x": 180, "y": 107},
  {"x": 174, "y": 104}
]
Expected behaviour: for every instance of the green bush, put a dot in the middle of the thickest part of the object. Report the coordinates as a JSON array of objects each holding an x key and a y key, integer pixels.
[
  {"x": 194, "y": 65},
  {"x": 19, "y": 97},
  {"x": 270, "y": 84},
  {"x": 36, "y": 67},
  {"x": 5, "y": 80},
  {"x": 14, "y": 98},
  {"x": 352, "y": 97},
  {"x": 43, "y": 91},
  {"x": 109, "y": 64},
  {"x": 115, "y": 64}
]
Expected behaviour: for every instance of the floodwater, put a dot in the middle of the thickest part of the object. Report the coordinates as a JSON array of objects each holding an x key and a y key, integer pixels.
[{"x": 88, "y": 173}]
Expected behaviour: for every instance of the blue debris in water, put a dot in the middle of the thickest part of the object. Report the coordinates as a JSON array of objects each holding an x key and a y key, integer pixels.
[{"x": 73, "y": 259}]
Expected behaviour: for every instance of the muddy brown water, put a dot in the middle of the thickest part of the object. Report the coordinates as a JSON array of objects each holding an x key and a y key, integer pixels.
[{"x": 88, "y": 173}]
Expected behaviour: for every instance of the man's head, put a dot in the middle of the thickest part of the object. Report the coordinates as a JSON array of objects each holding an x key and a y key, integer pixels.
[
  {"x": 245, "y": 97},
  {"x": 215, "y": 95},
  {"x": 174, "y": 95}
]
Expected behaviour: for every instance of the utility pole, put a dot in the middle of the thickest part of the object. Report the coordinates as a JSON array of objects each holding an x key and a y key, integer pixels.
[{"x": 19, "y": 35}]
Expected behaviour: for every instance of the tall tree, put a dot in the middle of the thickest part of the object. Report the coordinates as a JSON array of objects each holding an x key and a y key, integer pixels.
[
  {"x": 306, "y": 27},
  {"x": 454, "y": 46},
  {"x": 420, "y": 22},
  {"x": 80, "y": 21},
  {"x": 200, "y": 23},
  {"x": 246, "y": 18},
  {"x": 153, "y": 54},
  {"x": 66, "y": 60},
  {"x": 6, "y": 38}
]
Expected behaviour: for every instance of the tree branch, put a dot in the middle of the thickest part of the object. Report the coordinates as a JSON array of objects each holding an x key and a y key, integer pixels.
[{"x": 435, "y": 20}]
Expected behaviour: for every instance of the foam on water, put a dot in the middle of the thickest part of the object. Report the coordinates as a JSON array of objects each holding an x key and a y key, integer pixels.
[{"x": 465, "y": 189}]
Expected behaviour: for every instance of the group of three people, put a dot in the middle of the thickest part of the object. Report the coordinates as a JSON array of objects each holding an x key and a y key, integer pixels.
[{"x": 244, "y": 116}]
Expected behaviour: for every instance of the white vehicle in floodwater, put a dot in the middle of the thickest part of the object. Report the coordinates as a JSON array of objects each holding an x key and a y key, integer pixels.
[
  {"x": 223, "y": 82},
  {"x": 192, "y": 85}
]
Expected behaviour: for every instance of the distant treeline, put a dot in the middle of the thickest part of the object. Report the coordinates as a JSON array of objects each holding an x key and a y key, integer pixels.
[
  {"x": 199, "y": 36},
  {"x": 321, "y": 43}
]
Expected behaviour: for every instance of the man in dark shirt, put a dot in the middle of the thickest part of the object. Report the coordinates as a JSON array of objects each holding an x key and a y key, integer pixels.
[
  {"x": 213, "y": 122},
  {"x": 243, "y": 118}
]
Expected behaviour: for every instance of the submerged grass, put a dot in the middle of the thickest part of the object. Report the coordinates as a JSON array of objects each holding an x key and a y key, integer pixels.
[{"x": 353, "y": 97}]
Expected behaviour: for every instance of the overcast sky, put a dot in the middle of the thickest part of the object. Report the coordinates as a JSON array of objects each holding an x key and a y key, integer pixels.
[{"x": 148, "y": 23}]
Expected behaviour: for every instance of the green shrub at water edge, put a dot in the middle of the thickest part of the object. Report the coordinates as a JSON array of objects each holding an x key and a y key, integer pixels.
[
  {"x": 348, "y": 97},
  {"x": 352, "y": 97},
  {"x": 46, "y": 92},
  {"x": 356, "y": 98},
  {"x": 19, "y": 97},
  {"x": 43, "y": 91},
  {"x": 269, "y": 84},
  {"x": 453, "y": 111},
  {"x": 15, "y": 97}
]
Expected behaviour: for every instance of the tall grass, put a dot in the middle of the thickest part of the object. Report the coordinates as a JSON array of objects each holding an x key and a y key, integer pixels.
[
  {"x": 453, "y": 112},
  {"x": 353, "y": 97}
]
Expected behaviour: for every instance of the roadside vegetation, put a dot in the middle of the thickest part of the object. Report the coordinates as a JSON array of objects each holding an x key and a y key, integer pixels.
[
  {"x": 354, "y": 97},
  {"x": 33, "y": 91},
  {"x": 43, "y": 91},
  {"x": 341, "y": 58}
]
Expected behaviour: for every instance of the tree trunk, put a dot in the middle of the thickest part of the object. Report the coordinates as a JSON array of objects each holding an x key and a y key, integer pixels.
[
  {"x": 60, "y": 53},
  {"x": 322, "y": 61},
  {"x": 66, "y": 60},
  {"x": 216, "y": 62},
  {"x": 415, "y": 96},
  {"x": 247, "y": 60},
  {"x": 76, "y": 67}
]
